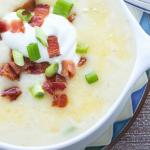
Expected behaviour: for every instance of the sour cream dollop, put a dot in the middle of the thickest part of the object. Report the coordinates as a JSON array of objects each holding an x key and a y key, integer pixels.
[{"x": 54, "y": 25}]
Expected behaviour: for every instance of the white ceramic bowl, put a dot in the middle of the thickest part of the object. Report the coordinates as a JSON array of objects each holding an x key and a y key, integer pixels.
[{"x": 141, "y": 65}]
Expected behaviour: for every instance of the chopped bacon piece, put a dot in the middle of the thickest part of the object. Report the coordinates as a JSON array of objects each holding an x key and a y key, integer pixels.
[
  {"x": 38, "y": 68},
  {"x": 52, "y": 79},
  {"x": 4, "y": 26},
  {"x": 42, "y": 10},
  {"x": 48, "y": 87},
  {"x": 58, "y": 85},
  {"x": 27, "y": 64},
  {"x": 82, "y": 62},
  {"x": 15, "y": 67},
  {"x": 36, "y": 21},
  {"x": 12, "y": 93},
  {"x": 28, "y": 6},
  {"x": 44, "y": 66},
  {"x": 71, "y": 18},
  {"x": 68, "y": 66},
  {"x": 33, "y": 67},
  {"x": 17, "y": 26},
  {"x": 60, "y": 100},
  {"x": 53, "y": 46},
  {"x": 60, "y": 78},
  {"x": 11, "y": 55},
  {"x": 57, "y": 78},
  {"x": 8, "y": 71}
]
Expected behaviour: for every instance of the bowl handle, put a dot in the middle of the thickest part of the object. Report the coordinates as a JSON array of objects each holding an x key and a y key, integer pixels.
[{"x": 143, "y": 52}]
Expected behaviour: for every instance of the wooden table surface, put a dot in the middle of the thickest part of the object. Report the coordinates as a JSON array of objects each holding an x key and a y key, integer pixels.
[{"x": 138, "y": 136}]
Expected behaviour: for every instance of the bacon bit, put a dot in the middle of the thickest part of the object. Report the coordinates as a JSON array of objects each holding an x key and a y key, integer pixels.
[
  {"x": 28, "y": 6},
  {"x": 38, "y": 68},
  {"x": 58, "y": 86},
  {"x": 58, "y": 82},
  {"x": 53, "y": 46},
  {"x": 0, "y": 38},
  {"x": 82, "y": 62},
  {"x": 51, "y": 79},
  {"x": 4, "y": 26},
  {"x": 60, "y": 78},
  {"x": 11, "y": 55},
  {"x": 71, "y": 18},
  {"x": 15, "y": 67},
  {"x": 60, "y": 100},
  {"x": 42, "y": 10},
  {"x": 44, "y": 66},
  {"x": 68, "y": 66},
  {"x": 17, "y": 26},
  {"x": 27, "y": 64},
  {"x": 9, "y": 72},
  {"x": 36, "y": 21},
  {"x": 48, "y": 87},
  {"x": 57, "y": 78},
  {"x": 12, "y": 93},
  {"x": 34, "y": 68}
]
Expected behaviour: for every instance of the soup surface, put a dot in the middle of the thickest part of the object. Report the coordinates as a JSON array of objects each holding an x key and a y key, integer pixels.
[{"x": 112, "y": 51}]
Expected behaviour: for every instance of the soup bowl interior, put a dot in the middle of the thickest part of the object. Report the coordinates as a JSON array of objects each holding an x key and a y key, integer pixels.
[{"x": 142, "y": 64}]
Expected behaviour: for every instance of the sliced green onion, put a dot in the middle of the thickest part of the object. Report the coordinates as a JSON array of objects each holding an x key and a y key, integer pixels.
[
  {"x": 82, "y": 49},
  {"x": 70, "y": 130},
  {"x": 52, "y": 70},
  {"x": 37, "y": 91},
  {"x": 26, "y": 18},
  {"x": 33, "y": 51},
  {"x": 91, "y": 77},
  {"x": 41, "y": 36},
  {"x": 18, "y": 57},
  {"x": 63, "y": 7}
]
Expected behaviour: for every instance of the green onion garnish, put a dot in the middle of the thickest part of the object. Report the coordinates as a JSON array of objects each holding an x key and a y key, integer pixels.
[
  {"x": 70, "y": 130},
  {"x": 91, "y": 77},
  {"x": 63, "y": 7},
  {"x": 18, "y": 57},
  {"x": 82, "y": 49},
  {"x": 52, "y": 70},
  {"x": 27, "y": 17},
  {"x": 41, "y": 36},
  {"x": 37, "y": 91},
  {"x": 33, "y": 51}
]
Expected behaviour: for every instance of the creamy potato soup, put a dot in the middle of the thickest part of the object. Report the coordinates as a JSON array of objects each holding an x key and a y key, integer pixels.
[{"x": 101, "y": 28}]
